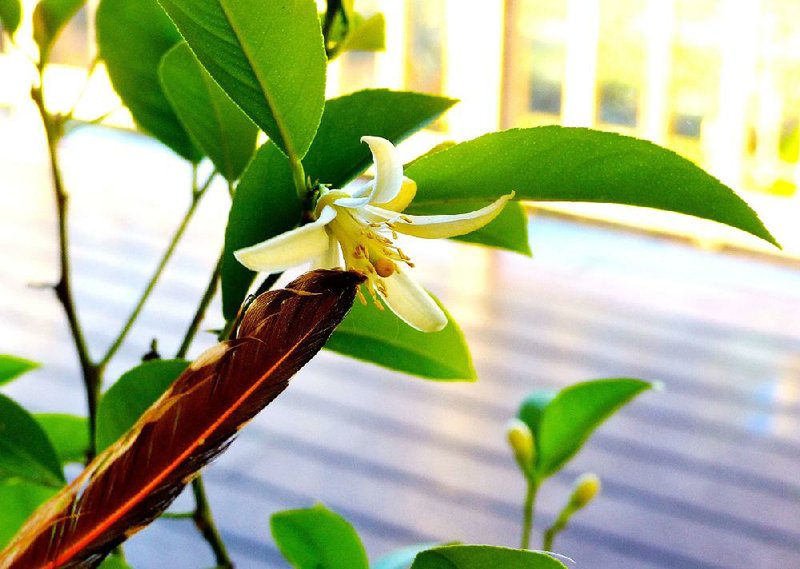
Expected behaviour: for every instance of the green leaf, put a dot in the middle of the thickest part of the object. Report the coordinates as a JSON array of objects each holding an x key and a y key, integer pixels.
[
  {"x": 132, "y": 38},
  {"x": 567, "y": 421},
  {"x": 126, "y": 400},
  {"x": 25, "y": 450},
  {"x": 380, "y": 337},
  {"x": 114, "y": 562},
  {"x": 482, "y": 557},
  {"x": 268, "y": 57},
  {"x": 337, "y": 155},
  {"x": 265, "y": 204},
  {"x": 318, "y": 538},
  {"x": 19, "y": 499},
  {"x": 215, "y": 123},
  {"x": 402, "y": 558},
  {"x": 10, "y": 15},
  {"x": 369, "y": 34},
  {"x": 49, "y": 18},
  {"x": 575, "y": 164},
  {"x": 68, "y": 433},
  {"x": 12, "y": 367}
]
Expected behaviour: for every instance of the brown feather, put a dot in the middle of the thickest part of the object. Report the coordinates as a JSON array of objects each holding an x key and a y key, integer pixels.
[{"x": 132, "y": 482}]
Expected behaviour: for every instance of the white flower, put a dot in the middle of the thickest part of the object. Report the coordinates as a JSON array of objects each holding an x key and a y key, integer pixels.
[{"x": 361, "y": 227}]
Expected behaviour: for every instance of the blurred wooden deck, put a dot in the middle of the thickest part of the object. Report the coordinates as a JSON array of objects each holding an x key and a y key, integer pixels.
[{"x": 701, "y": 475}]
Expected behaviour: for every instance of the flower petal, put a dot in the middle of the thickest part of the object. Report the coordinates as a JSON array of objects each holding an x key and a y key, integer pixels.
[
  {"x": 441, "y": 226},
  {"x": 408, "y": 190},
  {"x": 388, "y": 169},
  {"x": 290, "y": 248},
  {"x": 412, "y": 303},
  {"x": 331, "y": 258}
]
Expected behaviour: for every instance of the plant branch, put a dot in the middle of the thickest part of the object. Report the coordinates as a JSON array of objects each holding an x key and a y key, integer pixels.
[
  {"x": 197, "y": 194},
  {"x": 204, "y": 522},
  {"x": 53, "y": 126},
  {"x": 199, "y": 314}
]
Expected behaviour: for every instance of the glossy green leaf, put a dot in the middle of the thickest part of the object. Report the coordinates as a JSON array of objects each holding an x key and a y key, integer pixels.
[
  {"x": 69, "y": 435},
  {"x": 49, "y": 18},
  {"x": 567, "y": 421},
  {"x": 318, "y": 538},
  {"x": 19, "y": 500},
  {"x": 380, "y": 337},
  {"x": 483, "y": 557},
  {"x": 11, "y": 367},
  {"x": 126, "y": 400},
  {"x": 132, "y": 39},
  {"x": 216, "y": 124},
  {"x": 265, "y": 204},
  {"x": 10, "y": 15},
  {"x": 575, "y": 164},
  {"x": 338, "y": 155},
  {"x": 25, "y": 450},
  {"x": 268, "y": 57},
  {"x": 368, "y": 34},
  {"x": 402, "y": 558}
]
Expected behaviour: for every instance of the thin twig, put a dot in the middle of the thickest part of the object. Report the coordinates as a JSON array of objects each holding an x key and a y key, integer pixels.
[
  {"x": 199, "y": 314},
  {"x": 197, "y": 194},
  {"x": 204, "y": 522},
  {"x": 53, "y": 126}
]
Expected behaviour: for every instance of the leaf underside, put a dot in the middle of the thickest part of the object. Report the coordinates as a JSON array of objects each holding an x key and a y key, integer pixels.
[{"x": 136, "y": 479}]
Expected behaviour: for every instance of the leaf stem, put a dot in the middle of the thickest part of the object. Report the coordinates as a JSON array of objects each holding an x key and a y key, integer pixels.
[
  {"x": 205, "y": 525},
  {"x": 197, "y": 194},
  {"x": 528, "y": 512},
  {"x": 299, "y": 176}
]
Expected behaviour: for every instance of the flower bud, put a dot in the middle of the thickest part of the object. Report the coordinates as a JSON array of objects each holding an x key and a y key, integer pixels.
[
  {"x": 587, "y": 486},
  {"x": 520, "y": 439}
]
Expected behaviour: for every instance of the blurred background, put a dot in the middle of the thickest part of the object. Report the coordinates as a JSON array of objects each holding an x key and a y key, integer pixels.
[
  {"x": 701, "y": 475},
  {"x": 718, "y": 81}
]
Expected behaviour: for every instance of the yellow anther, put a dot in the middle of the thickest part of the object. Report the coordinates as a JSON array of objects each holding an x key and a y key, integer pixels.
[{"x": 384, "y": 267}]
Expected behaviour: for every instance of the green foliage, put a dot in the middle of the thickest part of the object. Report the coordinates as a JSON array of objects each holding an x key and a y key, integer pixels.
[
  {"x": 215, "y": 123},
  {"x": 482, "y": 557},
  {"x": 337, "y": 155},
  {"x": 49, "y": 18},
  {"x": 574, "y": 164},
  {"x": 25, "y": 451},
  {"x": 132, "y": 39},
  {"x": 19, "y": 499},
  {"x": 126, "y": 400},
  {"x": 10, "y": 15},
  {"x": 11, "y": 367},
  {"x": 402, "y": 558},
  {"x": 265, "y": 203},
  {"x": 267, "y": 56},
  {"x": 562, "y": 423},
  {"x": 114, "y": 562},
  {"x": 367, "y": 34},
  {"x": 380, "y": 337},
  {"x": 69, "y": 435},
  {"x": 318, "y": 538}
]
